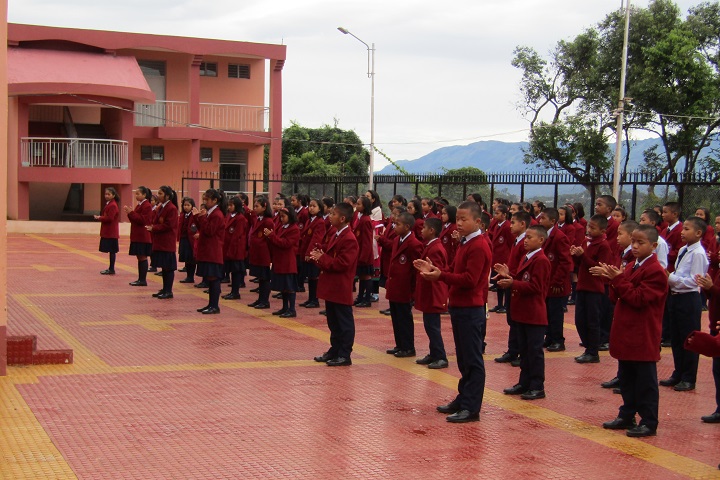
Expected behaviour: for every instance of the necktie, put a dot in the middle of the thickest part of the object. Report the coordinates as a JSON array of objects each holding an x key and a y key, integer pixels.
[
  {"x": 525, "y": 260},
  {"x": 636, "y": 266},
  {"x": 462, "y": 242},
  {"x": 682, "y": 254}
]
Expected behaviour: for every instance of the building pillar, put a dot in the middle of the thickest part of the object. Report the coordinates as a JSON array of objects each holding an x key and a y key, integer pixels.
[
  {"x": 275, "y": 167},
  {"x": 3, "y": 181}
]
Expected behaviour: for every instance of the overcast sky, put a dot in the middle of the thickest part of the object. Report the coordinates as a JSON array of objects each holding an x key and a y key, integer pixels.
[{"x": 443, "y": 73}]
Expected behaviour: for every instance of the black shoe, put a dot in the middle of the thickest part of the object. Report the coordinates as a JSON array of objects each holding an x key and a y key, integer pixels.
[
  {"x": 495, "y": 308},
  {"x": 254, "y": 280},
  {"x": 516, "y": 389},
  {"x": 492, "y": 288},
  {"x": 107, "y": 272},
  {"x": 187, "y": 280},
  {"x": 300, "y": 290},
  {"x": 501, "y": 310},
  {"x": 665, "y": 343},
  {"x": 303, "y": 303},
  {"x": 571, "y": 302},
  {"x": 463, "y": 416},
  {"x": 277, "y": 295},
  {"x": 533, "y": 395},
  {"x": 426, "y": 360},
  {"x": 438, "y": 364},
  {"x": 587, "y": 358},
  {"x": 556, "y": 347},
  {"x": 183, "y": 270},
  {"x": 451, "y": 407},
  {"x": 515, "y": 363},
  {"x": 231, "y": 296},
  {"x": 713, "y": 418},
  {"x": 405, "y": 353},
  {"x": 506, "y": 357},
  {"x": 203, "y": 308},
  {"x": 312, "y": 305},
  {"x": 152, "y": 269},
  {"x": 210, "y": 311},
  {"x": 202, "y": 285},
  {"x": 617, "y": 391},
  {"x": 322, "y": 312},
  {"x": 615, "y": 382},
  {"x": 604, "y": 347},
  {"x": 165, "y": 296},
  {"x": 669, "y": 382},
  {"x": 138, "y": 283},
  {"x": 323, "y": 358},
  {"x": 159, "y": 292},
  {"x": 339, "y": 362},
  {"x": 262, "y": 306},
  {"x": 255, "y": 290},
  {"x": 289, "y": 314},
  {"x": 392, "y": 351},
  {"x": 684, "y": 387},
  {"x": 206, "y": 291},
  {"x": 385, "y": 312},
  {"x": 356, "y": 301},
  {"x": 363, "y": 305},
  {"x": 280, "y": 312},
  {"x": 225, "y": 280},
  {"x": 158, "y": 274},
  {"x": 641, "y": 431},
  {"x": 254, "y": 304},
  {"x": 619, "y": 424}
]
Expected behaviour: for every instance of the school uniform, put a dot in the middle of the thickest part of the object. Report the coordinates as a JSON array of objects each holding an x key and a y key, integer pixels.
[
  {"x": 431, "y": 299},
  {"x": 417, "y": 228},
  {"x": 210, "y": 243},
  {"x": 187, "y": 228},
  {"x": 337, "y": 272},
  {"x": 235, "y": 250},
  {"x": 517, "y": 253},
  {"x": 140, "y": 240},
  {"x": 260, "y": 259},
  {"x": 448, "y": 242},
  {"x": 385, "y": 242},
  {"x": 671, "y": 234},
  {"x": 468, "y": 286},
  {"x": 529, "y": 289},
  {"x": 501, "y": 238},
  {"x": 639, "y": 296},
  {"x": 283, "y": 246},
  {"x": 685, "y": 310},
  {"x": 109, "y": 227},
  {"x": 363, "y": 230},
  {"x": 311, "y": 237},
  {"x": 399, "y": 290},
  {"x": 303, "y": 215},
  {"x": 611, "y": 233},
  {"x": 164, "y": 235},
  {"x": 557, "y": 251},
  {"x": 590, "y": 293}
]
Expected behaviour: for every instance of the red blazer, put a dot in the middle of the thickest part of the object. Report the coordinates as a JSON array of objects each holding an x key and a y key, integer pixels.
[
  {"x": 337, "y": 268},
  {"x": 363, "y": 230},
  {"x": 385, "y": 242},
  {"x": 580, "y": 234},
  {"x": 417, "y": 228},
  {"x": 313, "y": 234},
  {"x": 110, "y": 220},
  {"x": 164, "y": 228},
  {"x": 187, "y": 228},
  {"x": 529, "y": 289},
  {"x": 675, "y": 243},
  {"x": 639, "y": 297},
  {"x": 302, "y": 218},
  {"x": 400, "y": 284},
  {"x": 448, "y": 242},
  {"x": 596, "y": 250},
  {"x": 557, "y": 251},
  {"x": 709, "y": 241},
  {"x": 704, "y": 344},
  {"x": 259, "y": 248},
  {"x": 283, "y": 248},
  {"x": 212, "y": 236},
  {"x": 235, "y": 243},
  {"x": 468, "y": 276},
  {"x": 329, "y": 232},
  {"x": 502, "y": 240},
  {"x": 432, "y": 297},
  {"x": 611, "y": 233},
  {"x": 516, "y": 256},
  {"x": 139, "y": 218}
]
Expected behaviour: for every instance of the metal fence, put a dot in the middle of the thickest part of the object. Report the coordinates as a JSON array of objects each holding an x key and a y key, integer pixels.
[{"x": 639, "y": 190}]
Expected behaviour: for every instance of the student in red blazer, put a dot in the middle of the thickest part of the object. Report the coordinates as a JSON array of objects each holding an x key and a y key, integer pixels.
[
  {"x": 164, "y": 237},
  {"x": 140, "y": 241},
  {"x": 671, "y": 234},
  {"x": 283, "y": 243},
  {"x": 235, "y": 246},
  {"x": 210, "y": 221},
  {"x": 431, "y": 297},
  {"x": 557, "y": 250},
  {"x": 590, "y": 288},
  {"x": 364, "y": 232},
  {"x": 639, "y": 292},
  {"x": 338, "y": 263},
  {"x": 446, "y": 238},
  {"x": 385, "y": 242},
  {"x": 187, "y": 230},
  {"x": 414, "y": 207},
  {"x": 529, "y": 287},
  {"x": 260, "y": 251},
  {"x": 604, "y": 205},
  {"x": 299, "y": 202},
  {"x": 400, "y": 285},
  {"x": 312, "y": 236},
  {"x": 110, "y": 228},
  {"x": 502, "y": 241}
]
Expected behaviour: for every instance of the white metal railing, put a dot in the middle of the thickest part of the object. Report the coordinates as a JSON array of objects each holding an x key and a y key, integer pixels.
[
  {"x": 73, "y": 152},
  {"x": 242, "y": 118},
  {"x": 161, "y": 114}
]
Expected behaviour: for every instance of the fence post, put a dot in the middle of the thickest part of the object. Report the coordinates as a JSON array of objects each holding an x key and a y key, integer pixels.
[
  {"x": 522, "y": 191},
  {"x": 634, "y": 200},
  {"x": 556, "y": 194}
]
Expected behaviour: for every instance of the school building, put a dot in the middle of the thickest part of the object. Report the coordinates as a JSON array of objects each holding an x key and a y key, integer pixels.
[{"x": 90, "y": 109}]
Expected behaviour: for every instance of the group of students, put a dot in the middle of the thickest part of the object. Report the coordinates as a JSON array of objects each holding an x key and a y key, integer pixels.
[{"x": 635, "y": 285}]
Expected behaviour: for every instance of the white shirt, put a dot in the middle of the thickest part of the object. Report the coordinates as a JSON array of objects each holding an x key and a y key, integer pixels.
[
  {"x": 405, "y": 237},
  {"x": 341, "y": 230},
  {"x": 530, "y": 254},
  {"x": 662, "y": 251},
  {"x": 693, "y": 262},
  {"x": 520, "y": 238},
  {"x": 209, "y": 211},
  {"x": 431, "y": 241},
  {"x": 467, "y": 238}
]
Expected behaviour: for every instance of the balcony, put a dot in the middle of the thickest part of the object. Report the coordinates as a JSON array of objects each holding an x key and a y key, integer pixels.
[
  {"x": 73, "y": 153},
  {"x": 236, "y": 118}
]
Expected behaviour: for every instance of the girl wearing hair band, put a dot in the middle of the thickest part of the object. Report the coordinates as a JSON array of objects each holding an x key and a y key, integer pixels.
[
  {"x": 283, "y": 243},
  {"x": 140, "y": 240},
  {"x": 164, "y": 237},
  {"x": 211, "y": 227},
  {"x": 110, "y": 228}
]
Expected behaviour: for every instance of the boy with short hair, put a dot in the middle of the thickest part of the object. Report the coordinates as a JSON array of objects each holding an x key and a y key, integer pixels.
[
  {"x": 591, "y": 289},
  {"x": 639, "y": 292},
  {"x": 467, "y": 280},
  {"x": 529, "y": 286},
  {"x": 337, "y": 272},
  {"x": 400, "y": 285},
  {"x": 431, "y": 297},
  {"x": 604, "y": 205},
  {"x": 501, "y": 238},
  {"x": 672, "y": 234},
  {"x": 651, "y": 217},
  {"x": 684, "y": 307}
]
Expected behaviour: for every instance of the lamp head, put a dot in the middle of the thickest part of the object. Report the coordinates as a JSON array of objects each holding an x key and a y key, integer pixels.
[{"x": 344, "y": 30}]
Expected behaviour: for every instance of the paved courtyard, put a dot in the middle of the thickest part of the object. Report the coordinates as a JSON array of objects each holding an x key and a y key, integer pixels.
[{"x": 158, "y": 390}]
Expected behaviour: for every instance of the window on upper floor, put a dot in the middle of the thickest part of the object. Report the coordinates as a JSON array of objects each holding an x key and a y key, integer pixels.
[
  {"x": 206, "y": 154},
  {"x": 236, "y": 70},
  {"x": 208, "y": 69},
  {"x": 154, "y": 153}
]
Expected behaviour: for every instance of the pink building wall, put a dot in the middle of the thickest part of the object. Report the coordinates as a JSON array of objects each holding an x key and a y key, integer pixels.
[{"x": 3, "y": 181}]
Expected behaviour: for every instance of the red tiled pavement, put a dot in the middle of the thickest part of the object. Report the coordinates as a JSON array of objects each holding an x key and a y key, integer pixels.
[{"x": 238, "y": 396}]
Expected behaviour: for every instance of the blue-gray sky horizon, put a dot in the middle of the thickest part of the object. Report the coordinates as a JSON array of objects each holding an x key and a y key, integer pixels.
[{"x": 443, "y": 73}]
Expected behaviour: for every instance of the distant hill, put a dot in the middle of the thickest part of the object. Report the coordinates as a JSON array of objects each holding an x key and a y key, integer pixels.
[{"x": 493, "y": 156}]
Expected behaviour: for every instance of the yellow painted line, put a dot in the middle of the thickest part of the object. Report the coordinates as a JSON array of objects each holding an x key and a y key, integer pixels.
[
  {"x": 147, "y": 322},
  {"x": 82, "y": 253}
]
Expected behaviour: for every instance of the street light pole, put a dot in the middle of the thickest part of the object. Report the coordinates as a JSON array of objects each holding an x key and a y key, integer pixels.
[
  {"x": 371, "y": 75},
  {"x": 621, "y": 108}
]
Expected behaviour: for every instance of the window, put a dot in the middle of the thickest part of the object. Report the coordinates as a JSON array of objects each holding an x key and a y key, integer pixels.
[
  {"x": 208, "y": 69},
  {"x": 206, "y": 154},
  {"x": 152, "y": 152},
  {"x": 152, "y": 68},
  {"x": 238, "y": 71}
]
